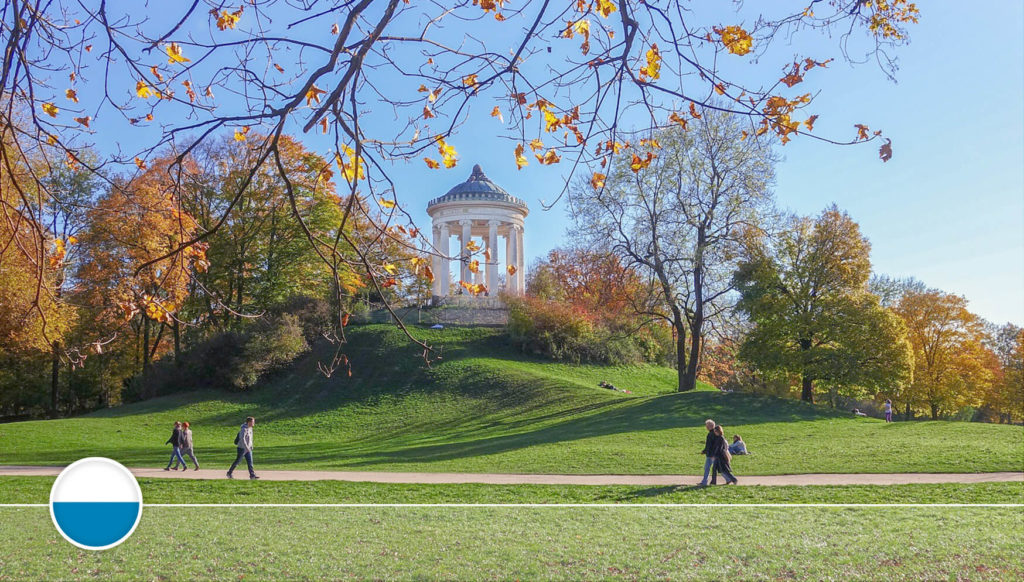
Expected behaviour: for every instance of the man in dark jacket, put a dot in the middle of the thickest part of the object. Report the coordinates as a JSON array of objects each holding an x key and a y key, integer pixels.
[
  {"x": 175, "y": 441},
  {"x": 244, "y": 443},
  {"x": 708, "y": 452}
]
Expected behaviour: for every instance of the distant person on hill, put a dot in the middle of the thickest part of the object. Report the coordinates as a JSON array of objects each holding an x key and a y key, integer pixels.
[
  {"x": 857, "y": 412},
  {"x": 175, "y": 441},
  {"x": 738, "y": 447},
  {"x": 244, "y": 443},
  {"x": 709, "y": 457},
  {"x": 888, "y": 410},
  {"x": 186, "y": 447},
  {"x": 722, "y": 459}
]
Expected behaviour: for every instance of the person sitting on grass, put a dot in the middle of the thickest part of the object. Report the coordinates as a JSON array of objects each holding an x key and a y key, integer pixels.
[{"x": 738, "y": 447}]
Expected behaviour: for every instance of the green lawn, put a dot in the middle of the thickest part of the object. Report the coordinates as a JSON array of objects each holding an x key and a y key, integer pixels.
[
  {"x": 455, "y": 543},
  {"x": 486, "y": 408},
  {"x": 37, "y": 490}
]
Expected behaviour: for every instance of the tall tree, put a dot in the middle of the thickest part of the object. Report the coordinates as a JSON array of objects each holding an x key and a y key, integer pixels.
[
  {"x": 806, "y": 292},
  {"x": 950, "y": 357},
  {"x": 678, "y": 216}
]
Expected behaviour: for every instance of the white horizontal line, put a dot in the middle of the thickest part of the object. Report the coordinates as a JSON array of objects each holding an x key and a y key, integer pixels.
[{"x": 551, "y": 505}]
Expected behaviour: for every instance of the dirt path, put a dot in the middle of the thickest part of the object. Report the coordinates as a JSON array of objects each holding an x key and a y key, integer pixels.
[{"x": 540, "y": 479}]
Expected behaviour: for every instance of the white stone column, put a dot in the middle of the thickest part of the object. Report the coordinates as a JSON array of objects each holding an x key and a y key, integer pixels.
[
  {"x": 467, "y": 235},
  {"x": 513, "y": 259},
  {"x": 435, "y": 262},
  {"x": 444, "y": 275},
  {"x": 521, "y": 255},
  {"x": 492, "y": 265}
]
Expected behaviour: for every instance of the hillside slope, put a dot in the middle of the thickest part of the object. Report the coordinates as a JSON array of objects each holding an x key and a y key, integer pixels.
[{"x": 486, "y": 408}]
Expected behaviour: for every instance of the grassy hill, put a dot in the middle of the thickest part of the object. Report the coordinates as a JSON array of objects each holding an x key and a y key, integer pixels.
[{"x": 486, "y": 408}]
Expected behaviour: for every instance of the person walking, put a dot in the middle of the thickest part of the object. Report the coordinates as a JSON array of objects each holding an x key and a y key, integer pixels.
[
  {"x": 888, "y": 410},
  {"x": 175, "y": 441},
  {"x": 186, "y": 447},
  {"x": 722, "y": 459},
  {"x": 709, "y": 458},
  {"x": 244, "y": 443}
]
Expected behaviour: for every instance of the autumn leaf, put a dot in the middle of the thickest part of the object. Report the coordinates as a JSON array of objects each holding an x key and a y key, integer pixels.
[
  {"x": 428, "y": 273},
  {"x": 279, "y": 68},
  {"x": 448, "y": 153},
  {"x": 427, "y": 113},
  {"x": 432, "y": 164},
  {"x": 50, "y": 109},
  {"x": 693, "y": 111},
  {"x": 597, "y": 181},
  {"x": 520, "y": 158},
  {"x": 240, "y": 134},
  {"x": 140, "y": 163},
  {"x": 314, "y": 94},
  {"x": 469, "y": 80},
  {"x": 809, "y": 122},
  {"x": 84, "y": 120},
  {"x": 174, "y": 54},
  {"x": 720, "y": 88},
  {"x": 605, "y": 7},
  {"x": 639, "y": 163},
  {"x": 511, "y": 270},
  {"x": 549, "y": 157},
  {"x": 344, "y": 319},
  {"x": 391, "y": 282},
  {"x": 885, "y": 152},
  {"x": 862, "y": 131},
  {"x": 474, "y": 266},
  {"x": 496, "y": 112},
  {"x": 227, "y": 19},
  {"x": 142, "y": 90},
  {"x": 675, "y": 118},
  {"x": 387, "y": 203},
  {"x": 487, "y": 255},
  {"x": 472, "y": 246},
  {"x": 390, "y": 268},
  {"x": 736, "y": 40},
  {"x": 323, "y": 125},
  {"x": 335, "y": 29},
  {"x": 653, "y": 68},
  {"x": 70, "y": 94},
  {"x": 536, "y": 144}
]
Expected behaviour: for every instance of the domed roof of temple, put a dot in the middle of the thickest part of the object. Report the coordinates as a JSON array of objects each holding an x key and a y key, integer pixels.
[{"x": 477, "y": 187}]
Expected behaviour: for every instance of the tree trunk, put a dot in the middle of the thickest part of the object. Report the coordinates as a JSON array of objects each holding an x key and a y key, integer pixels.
[
  {"x": 935, "y": 412},
  {"x": 807, "y": 392},
  {"x": 908, "y": 411},
  {"x": 145, "y": 343},
  {"x": 681, "y": 353},
  {"x": 177, "y": 344},
  {"x": 55, "y": 379}
]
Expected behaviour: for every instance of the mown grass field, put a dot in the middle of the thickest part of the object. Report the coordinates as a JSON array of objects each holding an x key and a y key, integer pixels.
[
  {"x": 486, "y": 408},
  {"x": 549, "y": 543}
]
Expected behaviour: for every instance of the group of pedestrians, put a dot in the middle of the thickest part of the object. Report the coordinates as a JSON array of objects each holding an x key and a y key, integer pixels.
[
  {"x": 717, "y": 455},
  {"x": 181, "y": 445}
]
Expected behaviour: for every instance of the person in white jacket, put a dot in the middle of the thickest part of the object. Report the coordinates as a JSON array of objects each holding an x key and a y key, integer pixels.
[{"x": 244, "y": 443}]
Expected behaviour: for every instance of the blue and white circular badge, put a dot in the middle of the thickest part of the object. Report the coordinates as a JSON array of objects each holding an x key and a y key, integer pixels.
[{"x": 96, "y": 503}]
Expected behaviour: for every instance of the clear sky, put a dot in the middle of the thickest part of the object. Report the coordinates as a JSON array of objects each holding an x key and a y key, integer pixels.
[{"x": 948, "y": 209}]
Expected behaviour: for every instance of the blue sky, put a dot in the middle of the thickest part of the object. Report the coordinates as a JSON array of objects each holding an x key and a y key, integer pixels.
[{"x": 948, "y": 209}]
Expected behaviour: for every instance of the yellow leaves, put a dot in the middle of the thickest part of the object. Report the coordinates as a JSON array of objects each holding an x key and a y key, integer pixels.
[
  {"x": 474, "y": 266},
  {"x": 140, "y": 163},
  {"x": 736, "y": 40},
  {"x": 551, "y": 121},
  {"x": 129, "y": 309},
  {"x": 885, "y": 152},
  {"x": 432, "y": 164},
  {"x": 720, "y": 88},
  {"x": 511, "y": 270},
  {"x": 639, "y": 163},
  {"x": 174, "y": 54},
  {"x": 693, "y": 111},
  {"x": 549, "y": 157},
  {"x": 536, "y": 144},
  {"x": 431, "y": 94},
  {"x": 428, "y": 273},
  {"x": 862, "y": 131},
  {"x": 158, "y": 311},
  {"x": 72, "y": 240},
  {"x": 581, "y": 27},
  {"x": 650, "y": 142},
  {"x": 59, "y": 252},
  {"x": 476, "y": 289},
  {"x": 470, "y": 80},
  {"x": 387, "y": 203},
  {"x": 520, "y": 158},
  {"x": 472, "y": 246},
  {"x": 71, "y": 95},
  {"x": 605, "y": 7},
  {"x": 448, "y": 153},
  {"x": 240, "y": 134},
  {"x": 888, "y": 15},
  {"x": 84, "y": 120},
  {"x": 50, "y": 109},
  {"x": 51, "y": 139},
  {"x": 597, "y": 181},
  {"x": 390, "y": 268},
  {"x": 653, "y": 69},
  {"x": 496, "y": 112},
  {"x": 809, "y": 122},
  {"x": 225, "y": 19},
  {"x": 142, "y": 90},
  {"x": 313, "y": 94},
  {"x": 352, "y": 168}
]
